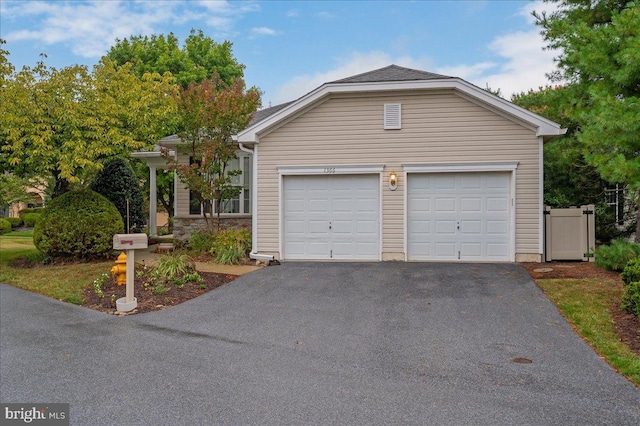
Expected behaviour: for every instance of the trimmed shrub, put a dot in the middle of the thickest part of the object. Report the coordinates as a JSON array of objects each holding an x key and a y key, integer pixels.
[
  {"x": 118, "y": 182},
  {"x": 631, "y": 272},
  {"x": 30, "y": 219},
  {"x": 631, "y": 295},
  {"x": 14, "y": 221},
  {"x": 5, "y": 226},
  {"x": 631, "y": 298},
  {"x": 78, "y": 224},
  {"x": 232, "y": 245},
  {"x": 30, "y": 210},
  {"x": 616, "y": 256}
]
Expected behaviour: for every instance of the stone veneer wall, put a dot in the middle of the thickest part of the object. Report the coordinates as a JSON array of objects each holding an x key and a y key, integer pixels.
[{"x": 183, "y": 227}]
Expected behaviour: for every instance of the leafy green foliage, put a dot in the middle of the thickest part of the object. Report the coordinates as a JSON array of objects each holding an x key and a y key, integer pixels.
[
  {"x": 13, "y": 189},
  {"x": 173, "y": 265},
  {"x": 201, "y": 242},
  {"x": 117, "y": 182},
  {"x": 14, "y": 221},
  {"x": 631, "y": 298},
  {"x": 615, "y": 256},
  {"x": 631, "y": 272},
  {"x": 600, "y": 58},
  {"x": 232, "y": 245},
  {"x": 64, "y": 122},
  {"x": 210, "y": 113},
  {"x": 78, "y": 224},
  {"x": 5, "y": 226},
  {"x": 30, "y": 210},
  {"x": 198, "y": 59},
  {"x": 30, "y": 219}
]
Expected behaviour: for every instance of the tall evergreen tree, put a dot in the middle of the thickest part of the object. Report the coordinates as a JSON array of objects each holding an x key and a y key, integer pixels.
[
  {"x": 599, "y": 43},
  {"x": 117, "y": 182}
]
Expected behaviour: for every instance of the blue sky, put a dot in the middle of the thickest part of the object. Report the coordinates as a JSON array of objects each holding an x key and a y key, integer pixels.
[{"x": 292, "y": 47}]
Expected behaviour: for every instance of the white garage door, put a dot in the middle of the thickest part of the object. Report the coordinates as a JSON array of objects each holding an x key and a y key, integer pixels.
[
  {"x": 459, "y": 216},
  {"x": 331, "y": 217}
]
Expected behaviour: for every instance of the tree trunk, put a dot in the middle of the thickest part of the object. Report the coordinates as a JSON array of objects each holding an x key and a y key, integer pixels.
[{"x": 61, "y": 186}]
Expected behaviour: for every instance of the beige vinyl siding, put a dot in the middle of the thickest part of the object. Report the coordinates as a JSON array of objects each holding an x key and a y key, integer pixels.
[
  {"x": 182, "y": 193},
  {"x": 437, "y": 127}
]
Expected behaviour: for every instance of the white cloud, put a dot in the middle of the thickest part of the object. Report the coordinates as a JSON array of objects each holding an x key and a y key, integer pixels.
[
  {"x": 263, "y": 31},
  {"x": 356, "y": 63},
  {"x": 90, "y": 28},
  {"x": 523, "y": 63}
]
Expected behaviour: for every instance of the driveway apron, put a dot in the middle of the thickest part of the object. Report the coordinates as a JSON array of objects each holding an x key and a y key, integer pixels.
[{"x": 319, "y": 343}]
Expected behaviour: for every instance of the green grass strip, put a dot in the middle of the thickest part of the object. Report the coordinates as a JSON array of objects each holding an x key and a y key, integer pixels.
[{"x": 586, "y": 303}]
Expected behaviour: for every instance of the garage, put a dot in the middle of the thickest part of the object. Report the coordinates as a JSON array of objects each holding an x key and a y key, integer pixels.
[
  {"x": 463, "y": 216},
  {"x": 331, "y": 216}
]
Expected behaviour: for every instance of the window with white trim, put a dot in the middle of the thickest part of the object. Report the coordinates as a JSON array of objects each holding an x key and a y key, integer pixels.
[{"x": 240, "y": 204}]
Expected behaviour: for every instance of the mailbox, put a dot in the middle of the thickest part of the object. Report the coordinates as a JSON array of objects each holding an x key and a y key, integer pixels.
[{"x": 130, "y": 241}]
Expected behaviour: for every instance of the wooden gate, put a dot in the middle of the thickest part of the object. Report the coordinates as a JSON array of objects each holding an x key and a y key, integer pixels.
[{"x": 570, "y": 234}]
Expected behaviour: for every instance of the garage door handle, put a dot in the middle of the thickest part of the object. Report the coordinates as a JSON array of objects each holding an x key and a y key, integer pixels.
[
  {"x": 329, "y": 225},
  {"x": 458, "y": 225}
]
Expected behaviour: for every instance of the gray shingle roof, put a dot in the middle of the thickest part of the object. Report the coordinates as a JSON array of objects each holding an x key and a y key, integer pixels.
[
  {"x": 266, "y": 112},
  {"x": 391, "y": 73}
]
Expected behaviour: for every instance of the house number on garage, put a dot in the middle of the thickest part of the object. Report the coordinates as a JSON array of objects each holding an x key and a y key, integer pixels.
[{"x": 329, "y": 170}]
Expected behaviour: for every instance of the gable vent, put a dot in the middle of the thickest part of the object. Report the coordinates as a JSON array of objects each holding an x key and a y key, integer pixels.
[{"x": 392, "y": 116}]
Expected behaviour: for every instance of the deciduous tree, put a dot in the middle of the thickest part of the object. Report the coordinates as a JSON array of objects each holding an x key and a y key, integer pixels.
[
  {"x": 199, "y": 57},
  {"x": 210, "y": 113},
  {"x": 65, "y": 122}
]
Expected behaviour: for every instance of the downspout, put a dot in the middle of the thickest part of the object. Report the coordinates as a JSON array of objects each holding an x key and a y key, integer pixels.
[{"x": 254, "y": 205}]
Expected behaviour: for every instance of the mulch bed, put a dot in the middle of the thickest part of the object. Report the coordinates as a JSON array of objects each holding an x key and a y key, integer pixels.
[
  {"x": 149, "y": 299},
  {"x": 627, "y": 325}
]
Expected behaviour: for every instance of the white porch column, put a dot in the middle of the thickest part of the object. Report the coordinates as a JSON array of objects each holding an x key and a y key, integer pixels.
[{"x": 153, "y": 201}]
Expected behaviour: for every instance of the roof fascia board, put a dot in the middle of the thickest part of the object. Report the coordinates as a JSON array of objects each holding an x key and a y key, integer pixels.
[{"x": 544, "y": 127}]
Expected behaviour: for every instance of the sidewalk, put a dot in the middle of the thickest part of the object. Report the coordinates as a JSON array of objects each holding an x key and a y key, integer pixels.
[{"x": 150, "y": 257}]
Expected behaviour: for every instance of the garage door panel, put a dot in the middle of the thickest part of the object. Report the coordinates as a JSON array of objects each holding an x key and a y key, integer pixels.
[
  {"x": 471, "y": 250},
  {"x": 471, "y": 227},
  {"x": 500, "y": 204},
  {"x": 445, "y": 227},
  {"x": 367, "y": 227},
  {"x": 470, "y": 220},
  {"x": 470, "y": 205},
  {"x": 340, "y": 217},
  {"x": 445, "y": 250},
  {"x": 444, "y": 205},
  {"x": 497, "y": 251},
  {"x": 497, "y": 227},
  {"x": 445, "y": 182}
]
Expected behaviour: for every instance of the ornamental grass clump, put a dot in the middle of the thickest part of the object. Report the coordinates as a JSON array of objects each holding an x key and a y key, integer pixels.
[{"x": 231, "y": 246}]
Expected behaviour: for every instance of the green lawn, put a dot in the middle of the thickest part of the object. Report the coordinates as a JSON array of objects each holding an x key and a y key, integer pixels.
[
  {"x": 585, "y": 303},
  {"x": 64, "y": 282}
]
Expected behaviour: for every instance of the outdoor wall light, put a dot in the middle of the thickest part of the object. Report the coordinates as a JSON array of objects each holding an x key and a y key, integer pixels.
[{"x": 393, "y": 181}]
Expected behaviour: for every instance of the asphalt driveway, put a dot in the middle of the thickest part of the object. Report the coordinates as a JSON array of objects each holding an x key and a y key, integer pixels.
[{"x": 317, "y": 343}]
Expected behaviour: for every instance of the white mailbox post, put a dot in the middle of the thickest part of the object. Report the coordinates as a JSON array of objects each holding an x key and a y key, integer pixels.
[{"x": 130, "y": 243}]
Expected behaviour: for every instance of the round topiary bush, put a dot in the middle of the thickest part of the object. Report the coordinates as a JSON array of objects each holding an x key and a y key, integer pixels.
[
  {"x": 15, "y": 222},
  {"x": 78, "y": 224},
  {"x": 5, "y": 226},
  {"x": 30, "y": 219},
  {"x": 118, "y": 182}
]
